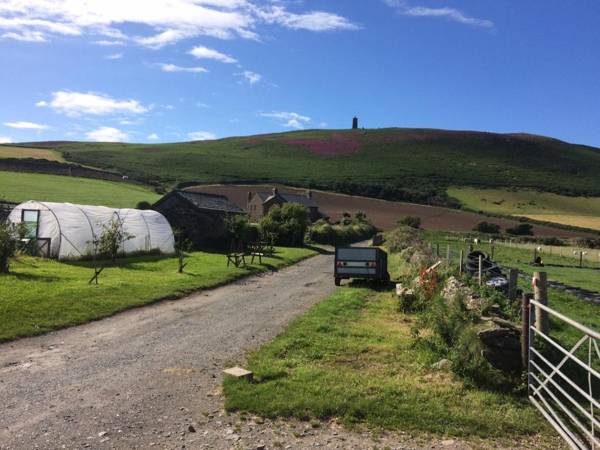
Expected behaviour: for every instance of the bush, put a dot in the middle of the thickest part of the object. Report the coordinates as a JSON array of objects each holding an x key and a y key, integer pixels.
[
  {"x": 143, "y": 205},
  {"x": 401, "y": 238},
  {"x": 410, "y": 221},
  {"x": 348, "y": 231},
  {"x": 523, "y": 229},
  {"x": 287, "y": 224},
  {"x": 239, "y": 229},
  {"x": 487, "y": 227},
  {"x": 9, "y": 240}
]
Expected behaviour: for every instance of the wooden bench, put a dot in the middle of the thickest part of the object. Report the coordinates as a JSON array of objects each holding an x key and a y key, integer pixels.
[
  {"x": 256, "y": 251},
  {"x": 237, "y": 259}
]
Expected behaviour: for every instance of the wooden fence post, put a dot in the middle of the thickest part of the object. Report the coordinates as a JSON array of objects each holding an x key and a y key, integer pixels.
[
  {"x": 437, "y": 249},
  {"x": 581, "y": 260},
  {"x": 460, "y": 262},
  {"x": 513, "y": 277},
  {"x": 525, "y": 331},
  {"x": 540, "y": 294},
  {"x": 480, "y": 270},
  {"x": 493, "y": 248},
  {"x": 448, "y": 253}
]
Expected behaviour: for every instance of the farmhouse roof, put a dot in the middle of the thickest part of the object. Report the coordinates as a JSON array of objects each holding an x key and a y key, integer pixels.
[
  {"x": 289, "y": 198},
  {"x": 212, "y": 202}
]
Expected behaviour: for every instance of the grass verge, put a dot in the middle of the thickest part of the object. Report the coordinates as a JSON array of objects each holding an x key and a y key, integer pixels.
[
  {"x": 44, "y": 295},
  {"x": 353, "y": 357}
]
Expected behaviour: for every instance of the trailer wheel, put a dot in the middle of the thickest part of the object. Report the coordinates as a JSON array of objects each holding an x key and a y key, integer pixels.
[{"x": 338, "y": 281}]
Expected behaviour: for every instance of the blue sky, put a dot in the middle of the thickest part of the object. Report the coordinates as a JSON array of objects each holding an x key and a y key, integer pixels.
[{"x": 176, "y": 70}]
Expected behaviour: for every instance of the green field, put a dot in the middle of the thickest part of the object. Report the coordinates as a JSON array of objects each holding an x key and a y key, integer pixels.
[
  {"x": 352, "y": 357},
  {"x": 576, "y": 211},
  {"x": 43, "y": 295},
  {"x": 563, "y": 269},
  {"x": 378, "y": 162},
  {"x": 19, "y": 187},
  {"x": 11, "y": 151}
]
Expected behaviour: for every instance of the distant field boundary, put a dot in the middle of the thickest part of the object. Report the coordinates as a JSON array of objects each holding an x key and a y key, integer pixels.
[
  {"x": 56, "y": 168},
  {"x": 385, "y": 213}
]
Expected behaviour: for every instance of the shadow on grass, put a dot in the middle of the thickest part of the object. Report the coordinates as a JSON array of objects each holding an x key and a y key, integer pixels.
[
  {"x": 321, "y": 250},
  {"x": 29, "y": 277},
  {"x": 374, "y": 285}
]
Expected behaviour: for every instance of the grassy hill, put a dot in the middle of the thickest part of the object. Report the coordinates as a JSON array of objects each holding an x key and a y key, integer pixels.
[
  {"x": 401, "y": 164},
  {"x": 581, "y": 212},
  {"x": 20, "y": 187}
]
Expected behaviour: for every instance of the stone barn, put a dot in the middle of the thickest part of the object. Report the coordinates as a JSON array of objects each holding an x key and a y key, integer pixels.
[
  {"x": 259, "y": 203},
  {"x": 200, "y": 217}
]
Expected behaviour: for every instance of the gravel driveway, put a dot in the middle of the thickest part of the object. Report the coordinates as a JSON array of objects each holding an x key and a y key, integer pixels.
[
  {"x": 141, "y": 378},
  {"x": 151, "y": 377}
]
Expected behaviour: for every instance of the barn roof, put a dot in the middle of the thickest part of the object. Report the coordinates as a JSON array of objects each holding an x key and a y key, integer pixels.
[
  {"x": 212, "y": 202},
  {"x": 290, "y": 198}
]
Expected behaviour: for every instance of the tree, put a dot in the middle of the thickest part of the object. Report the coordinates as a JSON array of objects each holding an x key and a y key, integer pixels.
[
  {"x": 182, "y": 246},
  {"x": 287, "y": 223},
  {"x": 411, "y": 221},
  {"x": 9, "y": 241},
  {"x": 112, "y": 238},
  {"x": 487, "y": 227},
  {"x": 523, "y": 229},
  {"x": 143, "y": 205},
  {"x": 238, "y": 227}
]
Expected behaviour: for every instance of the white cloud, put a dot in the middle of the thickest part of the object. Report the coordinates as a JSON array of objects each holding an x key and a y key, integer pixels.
[
  {"x": 114, "y": 56},
  {"x": 107, "y": 134},
  {"x": 5, "y": 140},
  {"x": 152, "y": 137},
  {"x": 169, "y": 21},
  {"x": 202, "y": 105},
  {"x": 251, "y": 77},
  {"x": 25, "y": 36},
  {"x": 78, "y": 103},
  {"x": 108, "y": 43},
  {"x": 288, "y": 119},
  {"x": 201, "y": 136},
  {"x": 26, "y": 126},
  {"x": 201, "y": 52},
  {"x": 175, "y": 68},
  {"x": 452, "y": 14},
  {"x": 311, "y": 21}
]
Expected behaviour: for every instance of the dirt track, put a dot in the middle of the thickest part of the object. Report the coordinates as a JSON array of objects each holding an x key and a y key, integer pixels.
[
  {"x": 145, "y": 375},
  {"x": 385, "y": 214}
]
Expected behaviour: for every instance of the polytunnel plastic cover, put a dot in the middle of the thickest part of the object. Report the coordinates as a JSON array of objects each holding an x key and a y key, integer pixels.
[{"x": 73, "y": 228}]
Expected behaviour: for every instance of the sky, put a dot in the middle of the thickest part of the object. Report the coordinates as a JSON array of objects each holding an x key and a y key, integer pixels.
[{"x": 177, "y": 70}]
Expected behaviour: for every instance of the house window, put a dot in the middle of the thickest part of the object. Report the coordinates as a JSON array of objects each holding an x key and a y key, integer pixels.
[{"x": 30, "y": 219}]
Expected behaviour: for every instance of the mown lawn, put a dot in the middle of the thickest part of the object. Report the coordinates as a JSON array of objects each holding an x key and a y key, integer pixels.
[
  {"x": 19, "y": 187},
  {"x": 43, "y": 295},
  {"x": 352, "y": 357}
]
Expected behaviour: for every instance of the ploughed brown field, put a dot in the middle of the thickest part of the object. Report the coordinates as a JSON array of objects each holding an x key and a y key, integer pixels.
[{"x": 385, "y": 214}]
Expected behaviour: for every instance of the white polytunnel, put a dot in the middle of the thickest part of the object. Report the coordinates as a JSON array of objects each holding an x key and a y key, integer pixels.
[{"x": 69, "y": 230}]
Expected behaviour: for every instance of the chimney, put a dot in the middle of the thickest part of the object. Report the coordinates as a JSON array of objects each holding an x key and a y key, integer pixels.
[
  {"x": 355, "y": 123},
  {"x": 249, "y": 196},
  {"x": 275, "y": 191},
  {"x": 309, "y": 193}
]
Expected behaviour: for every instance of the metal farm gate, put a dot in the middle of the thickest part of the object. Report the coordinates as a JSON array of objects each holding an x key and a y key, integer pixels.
[{"x": 564, "y": 380}]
